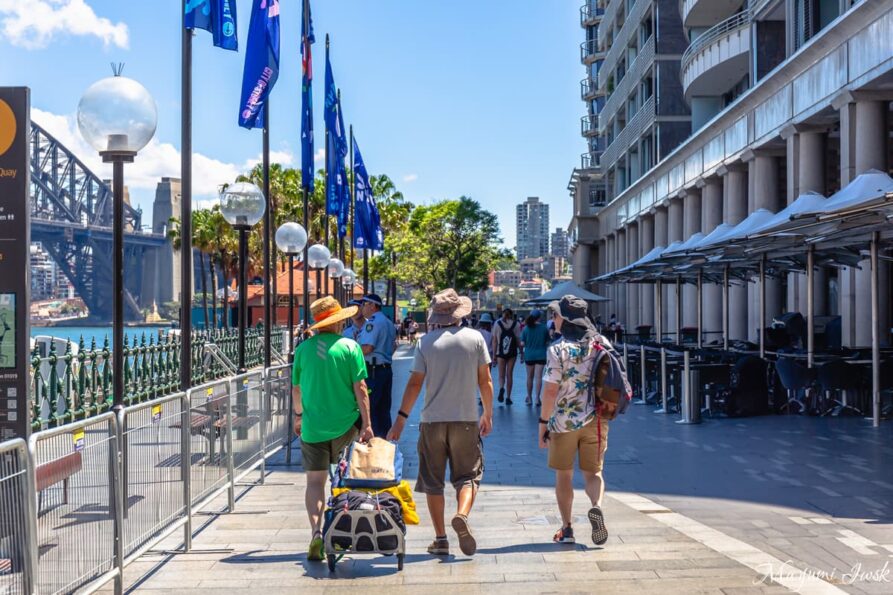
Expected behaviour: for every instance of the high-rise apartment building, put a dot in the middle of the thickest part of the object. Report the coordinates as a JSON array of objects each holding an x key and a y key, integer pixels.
[
  {"x": 785, "y": 97},
  {"x": 559, "y": 243},
  {"x": 532, "y": 225}
]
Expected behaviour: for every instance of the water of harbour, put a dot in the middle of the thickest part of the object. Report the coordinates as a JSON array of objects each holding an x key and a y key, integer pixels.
[{"x": 75, "y": 333}]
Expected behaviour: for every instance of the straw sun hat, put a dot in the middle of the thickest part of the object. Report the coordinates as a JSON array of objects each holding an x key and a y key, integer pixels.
[{"x": 327, "y": 311}]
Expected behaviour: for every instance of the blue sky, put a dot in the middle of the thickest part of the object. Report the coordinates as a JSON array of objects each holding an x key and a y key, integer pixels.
[{"x": 448, "y": 98}]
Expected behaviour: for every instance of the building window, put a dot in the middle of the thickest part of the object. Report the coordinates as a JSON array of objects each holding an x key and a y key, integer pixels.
[{"x": 597, "y": 196}]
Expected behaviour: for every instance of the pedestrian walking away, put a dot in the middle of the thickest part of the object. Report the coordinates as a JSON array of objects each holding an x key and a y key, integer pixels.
[
  {"x": 506, "y": 341},
  {"x": 377, "y": 340},
  {"x": 453, "y": 365},
  {"x": 331, "y": 404},
  {"x": 534, "y": 339},
  {"x": 584, "y": 386},
  {"x": 485, "y": 327}
]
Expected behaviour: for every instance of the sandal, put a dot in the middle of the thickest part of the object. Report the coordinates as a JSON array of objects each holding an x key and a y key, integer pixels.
[{"x": 315, "y": 551}]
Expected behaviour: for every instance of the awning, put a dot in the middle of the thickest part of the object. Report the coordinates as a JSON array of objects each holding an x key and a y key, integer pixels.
[{"x": 563, "y": 289}]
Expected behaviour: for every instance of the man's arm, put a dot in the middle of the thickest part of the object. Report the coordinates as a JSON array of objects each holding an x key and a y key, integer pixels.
[
  {"x": 410, "y": 396},
  {"x": 362, "y": 395},
  {"x": 298, "y": 407},
  {"x": 550, "y": 393},
  {"x": 485, "y": 385},
  {"x": 367, "y": 349}
]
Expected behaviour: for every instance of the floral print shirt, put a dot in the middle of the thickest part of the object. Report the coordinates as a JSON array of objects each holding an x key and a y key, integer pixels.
[{"x": 569, "y": 366}]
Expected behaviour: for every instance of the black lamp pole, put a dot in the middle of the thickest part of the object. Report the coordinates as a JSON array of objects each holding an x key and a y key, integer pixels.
[
  {"x": 118, "y": 159},
  {"x": 291, "y": 307},
  {"x": 243, "y": 294}
]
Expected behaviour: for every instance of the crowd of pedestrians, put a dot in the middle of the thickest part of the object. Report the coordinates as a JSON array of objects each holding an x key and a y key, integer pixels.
[{"x": 342, "y": 392}]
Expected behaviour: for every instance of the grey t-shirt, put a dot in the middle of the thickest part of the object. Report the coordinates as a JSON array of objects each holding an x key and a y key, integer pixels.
[{"x": 449, "y": 358}]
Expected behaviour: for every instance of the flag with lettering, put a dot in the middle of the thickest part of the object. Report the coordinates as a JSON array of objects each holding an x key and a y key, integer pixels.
[
  {"x": 261, "y": 62},
  {"x": 307, "y": 40},
  {"x": 367, "y": 223},
  {"x": 216, "y": 16},
  {"x": 336, "y": 179}
]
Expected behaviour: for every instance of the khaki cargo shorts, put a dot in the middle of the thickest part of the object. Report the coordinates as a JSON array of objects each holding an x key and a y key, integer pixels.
[
  {"x": 317, "y": 456},
  {"x": 563, "y": 447},
  {"x": 456, "y": 443}
]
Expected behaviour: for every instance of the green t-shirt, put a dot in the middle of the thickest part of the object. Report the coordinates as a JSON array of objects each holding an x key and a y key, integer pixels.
[{"x": 326, "y": 366}]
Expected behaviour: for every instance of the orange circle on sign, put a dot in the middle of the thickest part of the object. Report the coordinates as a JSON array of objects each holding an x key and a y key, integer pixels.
[{"x": 7, "y": 127}]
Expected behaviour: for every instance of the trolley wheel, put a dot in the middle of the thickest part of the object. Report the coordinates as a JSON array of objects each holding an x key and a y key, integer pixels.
[
  {"x": 332, "y": 559},
  {"x": 400, "y": 558}
]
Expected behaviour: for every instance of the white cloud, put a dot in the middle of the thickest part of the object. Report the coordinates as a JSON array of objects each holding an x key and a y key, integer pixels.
[
  {"x": 157, "y": 160},
  {"x": 34, "y": 23},
  {"x": 319, "y": 156},
  {"x": 410, "y": 178}
]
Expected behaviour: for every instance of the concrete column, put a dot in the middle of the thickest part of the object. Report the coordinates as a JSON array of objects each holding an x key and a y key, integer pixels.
[
  {"x": 764, "y": 193},
  {"x": 633, "y": 315},
  {"x": 711, "y": 216},
  {"x": 846, "y": 276},
  {"x": 646, "y": 243},
  {"x": 809, "y": 165},
  {"x": 871, "y": 153},
  {"x": 602, "y": 288},
  {"x": 674, "y": 234},
  {"x": 691, "y": 224},
  {"x": 660, "y": 239},
  {"x": 610, "y": 259},
  {"x": 620, "y": 262},
  {"x": 735, "y": 210}
]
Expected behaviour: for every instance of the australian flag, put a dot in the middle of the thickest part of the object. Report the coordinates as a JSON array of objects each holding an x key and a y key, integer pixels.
[
  {"x": 367, "y": 223},
  {"x": 216, "y": 16},
  {"x": 336, "y": 180},
  {"x": 261, "y": 62},
  {"x": 307, "y": 40}
]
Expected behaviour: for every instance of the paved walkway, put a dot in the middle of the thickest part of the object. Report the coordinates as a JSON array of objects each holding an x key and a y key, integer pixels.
[{"x": 731, "y": 506}]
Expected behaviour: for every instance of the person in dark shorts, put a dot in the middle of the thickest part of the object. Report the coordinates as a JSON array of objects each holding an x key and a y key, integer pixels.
[
  {"x": 331, "y": 404},
  {"x": 506, "y": 343},
  {"x": 535, "y": 339},
  {"x": 453, "y": 364}
]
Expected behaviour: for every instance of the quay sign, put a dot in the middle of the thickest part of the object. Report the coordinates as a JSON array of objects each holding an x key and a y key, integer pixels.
[{"x": 15, "y": 265}]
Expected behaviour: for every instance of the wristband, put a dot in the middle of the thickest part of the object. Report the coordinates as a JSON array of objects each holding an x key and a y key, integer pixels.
[
  {"x": 403, "y": 414},
  {"x": 542, "y": 421},
  {"x": 299, "y": 415}
]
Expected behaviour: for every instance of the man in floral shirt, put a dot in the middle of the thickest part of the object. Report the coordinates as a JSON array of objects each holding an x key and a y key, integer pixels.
[{"x": 571, "y": 422}]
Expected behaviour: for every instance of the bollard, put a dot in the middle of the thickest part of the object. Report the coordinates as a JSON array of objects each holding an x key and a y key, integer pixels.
[
  {"x": 663, "y": 382},
  {"x": 691, "y": 407}
]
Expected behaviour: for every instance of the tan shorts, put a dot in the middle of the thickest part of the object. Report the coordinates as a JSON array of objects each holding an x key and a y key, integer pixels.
[
  {"x": 457, "y": 443},
  {"x": 563, "y": 447},
  {"x": 317, "y": 456}
]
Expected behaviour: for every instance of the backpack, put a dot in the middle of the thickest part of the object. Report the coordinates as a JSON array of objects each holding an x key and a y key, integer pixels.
[
  {"x": 508, "y": 342},
  {"x": 615, "y": 379}
]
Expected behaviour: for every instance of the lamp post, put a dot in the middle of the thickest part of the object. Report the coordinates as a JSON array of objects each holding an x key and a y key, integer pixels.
[
  {"x": 242, "y": 205},
  {"x": 117, "y": 116},
  {"x": 291, "y": 239},
  {"x": 318, "y": 257},
  {"x": 335, "y": 270},
  {"x": 348, "y": 279}
]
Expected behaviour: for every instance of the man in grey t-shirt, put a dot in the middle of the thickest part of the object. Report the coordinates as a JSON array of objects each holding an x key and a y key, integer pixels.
[{"x": 453, "y": 364}]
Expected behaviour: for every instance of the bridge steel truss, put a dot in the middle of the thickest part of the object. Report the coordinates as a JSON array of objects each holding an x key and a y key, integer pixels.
[{"x": 71, "y": 216}]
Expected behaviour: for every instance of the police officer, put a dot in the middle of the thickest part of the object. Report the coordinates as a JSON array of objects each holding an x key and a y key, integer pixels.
[{"x": 377, "y": 341}]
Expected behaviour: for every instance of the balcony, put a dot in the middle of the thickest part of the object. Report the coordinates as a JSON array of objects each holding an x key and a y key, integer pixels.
[
  {"x": 589, "y": 52},
  {"x": 706, "y": 13},
  {"x": 590, "y": 14},
  {"x": 717, "y": 60},
  {"x": 589, "y": 125},
  {"x": 588, "y": 89},
  {"x": 590, "y": 160}
]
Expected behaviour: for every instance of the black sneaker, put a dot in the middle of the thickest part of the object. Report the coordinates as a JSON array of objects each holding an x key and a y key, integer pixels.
[
  {"x": 508, "y": 401},
  {"x": 599, "y": 531},
  {"x": 564, "y": 535},
  {"x": 501, "y": 396}
]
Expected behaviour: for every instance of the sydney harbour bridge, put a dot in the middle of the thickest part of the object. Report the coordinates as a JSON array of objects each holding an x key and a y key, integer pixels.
[{"x": 71, "y": 216}]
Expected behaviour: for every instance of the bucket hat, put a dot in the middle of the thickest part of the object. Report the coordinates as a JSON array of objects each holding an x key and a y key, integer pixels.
[{"x": 448, "y": 307}]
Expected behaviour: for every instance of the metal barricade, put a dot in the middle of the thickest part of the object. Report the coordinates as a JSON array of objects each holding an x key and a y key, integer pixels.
[
  {"x": 277, "y": 399},
  {"x": 209, "y": 442},
  {"x": 18, "y": 548},
  {"x": 247, "y": 414},
  {"x": 79, "y": 505},
  {"x": 156, "y": 471}
]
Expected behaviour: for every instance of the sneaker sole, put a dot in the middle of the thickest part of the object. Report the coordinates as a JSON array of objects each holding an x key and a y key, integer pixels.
[
  {"x": 467, "y": 543},
  {"x": 599, "y": 531}
]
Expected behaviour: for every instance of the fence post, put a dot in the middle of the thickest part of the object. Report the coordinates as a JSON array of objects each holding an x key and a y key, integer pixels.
[
  {"x": 30, "y": 572},
  {"x": 118, "y": 491},
  {"x": 186, "y": 466},
  {"x": 643, "y": 363},
  {"x": 663, "y": 379},
  {"x": 231, "y": 491},
  {"x": 264, "y": 411}
]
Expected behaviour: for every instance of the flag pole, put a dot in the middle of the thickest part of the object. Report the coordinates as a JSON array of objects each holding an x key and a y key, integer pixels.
[
  {"x": 326, "y": 164},
  {"x": 305, "y": 183},
  {"x": 268, "y": 219},
  {"x": 341, "y": 238},
  {"x": 351, "y": 220},
  {"x": 186, "y": 205}
]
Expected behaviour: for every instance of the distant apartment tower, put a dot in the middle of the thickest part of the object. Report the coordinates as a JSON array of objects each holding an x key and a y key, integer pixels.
[
  {"x": 559, "y": 243},
  {"x": 532, "y": 229}
]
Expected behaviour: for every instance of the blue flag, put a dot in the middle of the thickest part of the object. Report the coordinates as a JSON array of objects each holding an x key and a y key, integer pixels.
[
  {"x": 216, "y": 16},
  {"x": 336, "y": 178},
  {"x": 261, "y": 62},
  {"x": 307, "y": 40},
  {"x": 367, "y": 223}
]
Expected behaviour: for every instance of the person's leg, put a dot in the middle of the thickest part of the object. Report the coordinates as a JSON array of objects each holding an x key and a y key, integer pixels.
[
  {"x": 593, "y": 446},
  {"x": 564, "y": 494},
  {"x": 314, "y": 498},
  {"x": 436, "y": 507},
  {"x": 466, "y": 456},
  {"x": 500, "y": 364},
  {"x": 432, "y": 450},
  {"x": 530, "y": 372},
  {"x": 509, "y": 377},
  {"x": 465, "y": 500},
  {"x": 595, "y": 487},
  {"x": 538, "y": 377}
]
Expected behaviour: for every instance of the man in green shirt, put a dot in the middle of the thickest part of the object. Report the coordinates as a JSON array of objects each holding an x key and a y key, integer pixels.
[{"x": 331, "y": 403}]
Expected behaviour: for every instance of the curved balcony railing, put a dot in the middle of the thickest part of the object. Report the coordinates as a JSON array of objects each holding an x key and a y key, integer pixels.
[
  {"x": 590, "y": 13},
  {"x": 721, "y": 29},
  {"x": 589, "y": 125},
  {"x": 588, "y": 89},
  {"x": 589, "y": 50},
  {"x": 590, "y": 160}
]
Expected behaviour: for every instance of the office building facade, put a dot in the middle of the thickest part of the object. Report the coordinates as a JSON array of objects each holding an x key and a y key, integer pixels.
[
  {"x": 559, "y": 243},
  {"x": 532, "y": 225}
]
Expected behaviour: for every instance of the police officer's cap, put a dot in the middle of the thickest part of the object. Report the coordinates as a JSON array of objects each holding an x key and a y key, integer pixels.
[{"x": 373, "y": 299}]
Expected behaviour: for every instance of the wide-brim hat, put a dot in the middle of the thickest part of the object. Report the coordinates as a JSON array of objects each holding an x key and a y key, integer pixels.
[
  {"x": 485, "y": 317},
  {"x": 327, "y": 311},
  {"x": 448, "y": 307},
  {"x": 575, "y": 311}
]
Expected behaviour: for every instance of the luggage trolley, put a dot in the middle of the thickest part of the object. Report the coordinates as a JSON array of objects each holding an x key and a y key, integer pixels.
[{"x": 363, "y": 531}]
